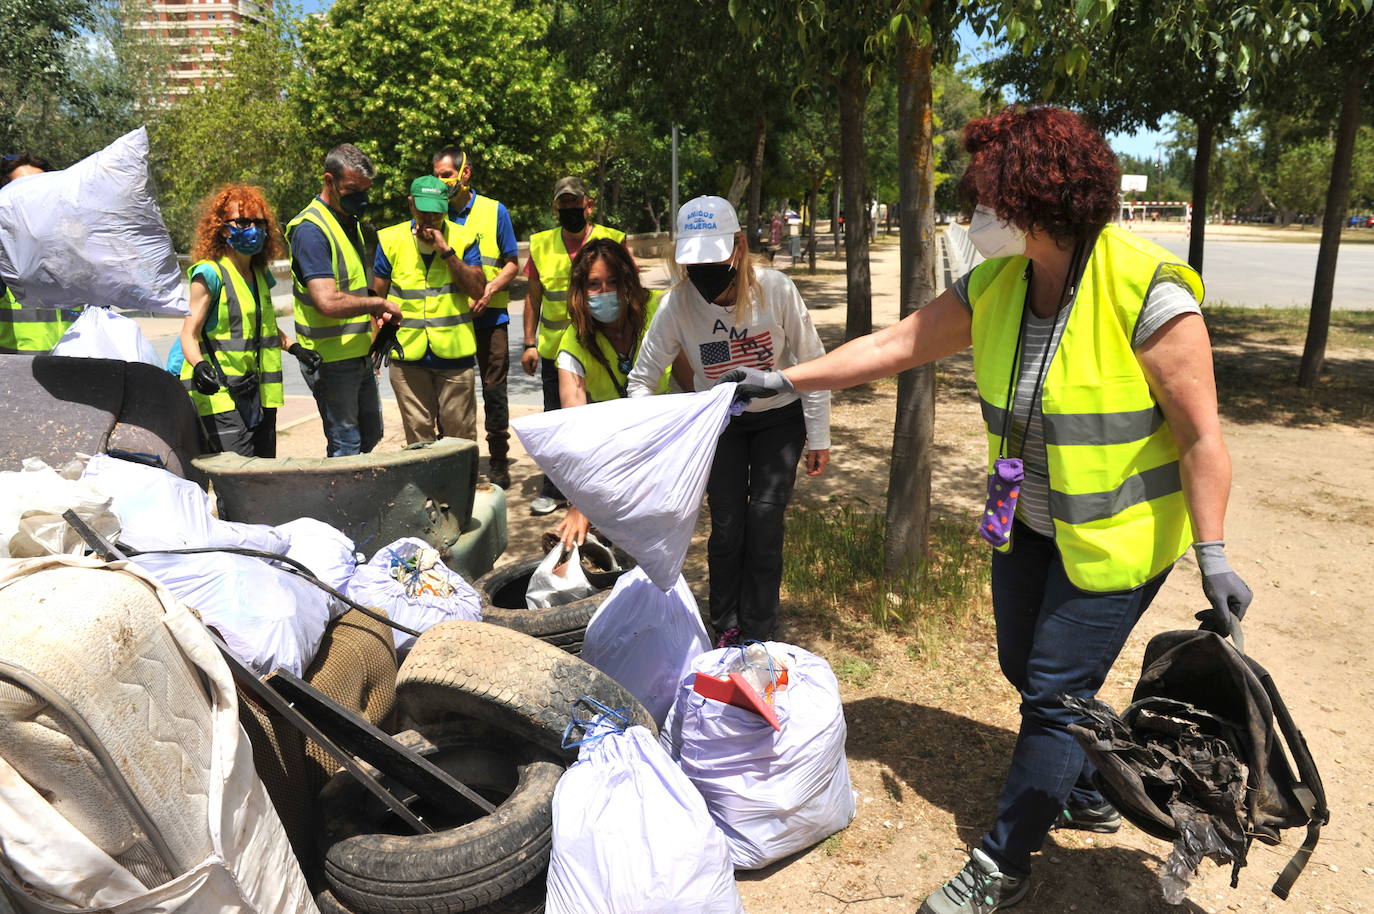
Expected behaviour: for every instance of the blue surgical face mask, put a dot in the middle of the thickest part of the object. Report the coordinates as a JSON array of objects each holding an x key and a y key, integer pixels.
[
  {"x": 604, "y": 306},
  {"x": 247, "y": 241}
]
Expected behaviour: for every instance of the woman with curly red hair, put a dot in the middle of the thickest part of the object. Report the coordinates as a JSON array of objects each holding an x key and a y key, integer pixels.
[
  {"x": 230, "y": 345},
  {"x": 1105, "y": 454}
]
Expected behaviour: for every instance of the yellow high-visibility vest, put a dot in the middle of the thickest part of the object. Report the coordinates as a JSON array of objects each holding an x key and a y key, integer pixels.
[
  {"x": 235, "y": 346},
  {"x": 481, "y": 225},
  {"x": 25, "y": 329},
  {"x": 1116, "y": 498},
  {"x": 435, "y": 314},
  {"x": 334, "y": 338},
  {"x": 551, "y": 259},
  {"x": 601, "y": 385}
]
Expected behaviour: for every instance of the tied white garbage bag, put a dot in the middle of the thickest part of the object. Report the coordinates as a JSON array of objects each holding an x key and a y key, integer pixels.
[
  {"x": 631, "y": 835},
  {"x": 31, "y": 504},
  {"x": 646, "y": 638},
  {"x": 772, "y": 793},
  {"x": 408, "y": 582},
  {"x": 99, "y": 333},
  {"x": 328, "y": 554},
  {"x": 636, "y": 467},
  {"x": 160, "y": 510},
  {"x": 91, "y": 234},
  {"x": 558, "y": 580}
]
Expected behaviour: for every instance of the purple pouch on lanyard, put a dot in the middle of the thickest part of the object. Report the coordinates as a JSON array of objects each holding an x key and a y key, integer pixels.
[{"x": 1004, "y": 485}]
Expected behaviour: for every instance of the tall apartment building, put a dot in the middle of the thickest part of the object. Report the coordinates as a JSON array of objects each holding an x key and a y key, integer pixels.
[{"x": 198, "y": 32}]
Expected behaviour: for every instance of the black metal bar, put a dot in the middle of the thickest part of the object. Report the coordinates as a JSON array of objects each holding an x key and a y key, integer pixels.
[{"x": 378, "y": 748}]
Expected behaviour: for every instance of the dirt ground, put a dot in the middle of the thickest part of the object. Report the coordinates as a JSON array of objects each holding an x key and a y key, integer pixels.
[{"x": 929, "y": 740}]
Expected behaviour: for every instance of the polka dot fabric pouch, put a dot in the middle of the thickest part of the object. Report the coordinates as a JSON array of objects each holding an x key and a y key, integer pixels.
[{"x": 1004, "y": 485}]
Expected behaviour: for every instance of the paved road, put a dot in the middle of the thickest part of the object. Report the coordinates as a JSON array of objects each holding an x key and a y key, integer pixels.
[{"x": 1277, "y": 273}]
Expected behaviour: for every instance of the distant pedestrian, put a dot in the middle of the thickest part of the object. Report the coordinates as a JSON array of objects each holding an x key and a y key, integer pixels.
[
  {"x": 28, "y": 329},
  {"x": 333, "y": 307},
  {"x": 546, "y": 298},
  {"x": 724, "y": 313},
  {"x": 497, "y": 253},
  {"x": 420, "y": 268},
  {"x": 230, "y": 346}
]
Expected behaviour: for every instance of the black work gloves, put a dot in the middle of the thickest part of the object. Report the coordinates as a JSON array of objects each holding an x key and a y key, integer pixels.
[
  {"x": 310, "y": 359},
  {"x": 206, "y": 378}
]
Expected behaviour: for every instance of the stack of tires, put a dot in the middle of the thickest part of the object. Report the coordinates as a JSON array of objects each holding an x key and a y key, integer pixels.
[{"x": 488, "y": 705}]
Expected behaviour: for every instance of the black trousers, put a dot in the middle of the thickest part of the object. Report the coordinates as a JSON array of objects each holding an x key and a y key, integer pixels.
[
  {"x": 227, "y": 432},
  {"x": 548, "y": 375},
  {"x": 751, "y": 481}
]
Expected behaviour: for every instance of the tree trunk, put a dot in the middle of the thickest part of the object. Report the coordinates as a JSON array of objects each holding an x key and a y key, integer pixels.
[
  {"x": 812, "y": 202},
  {"x": 913, "y": 435},
  {"x": 1337, "y": 194},
  {"x": 756, "y": 182},
  {"x": 737, "y": 186},
  {"x": 835, "y": 217},
  {"x": 1202, "y": 166},
  {"x": 858, "y": 280}
]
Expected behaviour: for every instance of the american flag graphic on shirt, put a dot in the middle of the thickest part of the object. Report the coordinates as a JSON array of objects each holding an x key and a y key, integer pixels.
[{"x": 720, "y": 356}]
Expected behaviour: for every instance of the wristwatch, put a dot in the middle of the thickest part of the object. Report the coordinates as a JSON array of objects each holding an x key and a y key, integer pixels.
[{"x": 451, "y": 252}]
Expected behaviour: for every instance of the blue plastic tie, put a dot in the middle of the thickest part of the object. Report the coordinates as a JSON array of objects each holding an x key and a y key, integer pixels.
[{"x": 606, "y": 722}]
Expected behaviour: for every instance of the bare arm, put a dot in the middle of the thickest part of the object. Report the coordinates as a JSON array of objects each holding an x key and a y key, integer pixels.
[
  {"x": 331, "y": 302},
  {"x": 572, "y": 388},
  {"x": 534, "y": 300},
  {"x": 194, "y": 322},
  {"x": 1178, "y": 364},
  {"x": 941, "y": 328}
]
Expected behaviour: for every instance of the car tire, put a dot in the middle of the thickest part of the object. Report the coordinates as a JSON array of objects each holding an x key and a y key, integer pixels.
[
  {"x": 515, "y": 682},
  {"x": 502, "y": 593},
  {"x": 375, "y": 865}
]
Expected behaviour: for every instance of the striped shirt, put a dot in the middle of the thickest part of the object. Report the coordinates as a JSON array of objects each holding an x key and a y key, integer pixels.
[{"x": 1166, "y": 301}]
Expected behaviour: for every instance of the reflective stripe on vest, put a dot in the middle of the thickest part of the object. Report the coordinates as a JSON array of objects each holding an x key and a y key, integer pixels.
[
  {"x": 551, "y": 259},
  {"x": 235, "y": 349},
  {"x": 334, "y": 338},
  {"x": 599, "y": 385},
  {"x": 434, "y": 310},
  {"x": 24, "y": 329},
  {"x": 1116, "y": 499},
  {"x": 481, "y": 225}
]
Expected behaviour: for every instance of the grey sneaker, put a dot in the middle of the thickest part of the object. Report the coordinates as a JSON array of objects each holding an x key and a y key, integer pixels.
[
  {"x": 543, "y": 505},
  {"x": 1102, "y": 818},
  {"x": 978, "y": 889}
]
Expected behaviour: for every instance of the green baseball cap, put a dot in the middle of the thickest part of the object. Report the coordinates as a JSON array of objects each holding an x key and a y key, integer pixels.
[{"x": 430, "y": 194}]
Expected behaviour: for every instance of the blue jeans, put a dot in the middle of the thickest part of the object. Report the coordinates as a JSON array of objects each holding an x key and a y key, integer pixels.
[
  {"x": 350, "y": 406},
  {"x": 1052, "y": 639}
]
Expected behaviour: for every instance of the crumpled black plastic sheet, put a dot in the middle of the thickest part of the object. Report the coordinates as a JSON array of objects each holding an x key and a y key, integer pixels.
[{"x": 1181, "y": 753}]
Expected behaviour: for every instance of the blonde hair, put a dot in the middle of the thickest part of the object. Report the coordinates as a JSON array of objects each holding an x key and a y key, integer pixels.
[{"x": 746, "y": 278}]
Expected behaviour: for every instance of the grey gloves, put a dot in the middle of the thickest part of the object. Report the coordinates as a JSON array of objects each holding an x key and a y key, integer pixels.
[
  {"x": 1224, "y": 589},
  {"x": 754, "y": 383}
]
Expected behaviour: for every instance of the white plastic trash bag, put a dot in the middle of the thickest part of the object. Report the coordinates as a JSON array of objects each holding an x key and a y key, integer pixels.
[
  {"x": 410, "y": 584},
  {"x": 631, "y": 835},
  {"x": 636, "y": 467},
  {"x": 99, "y": 333},
  {"x": 160, "y": 510},
  {"x": 772, "y": 792},
  {"x": 323, "y": 549},
  {"x": 558, "y": 580},
  {"x": 91, "y": 234},
  {"x": 31, "y": 504},
  {"x": 646, "y": 638},
  {"x": 271, "y": 619}
]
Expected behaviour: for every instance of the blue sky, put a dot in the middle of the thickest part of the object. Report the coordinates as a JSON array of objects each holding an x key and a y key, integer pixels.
[{"x": 1142, "y": 144}]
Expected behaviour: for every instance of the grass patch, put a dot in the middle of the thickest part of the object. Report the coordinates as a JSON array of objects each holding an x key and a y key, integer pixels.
[
  {"x": 1349, "y": 329},
  {"x": 831, "y": 846},
  {"x": 833, "y": 572},
  {"x": 852, "y": 670}
]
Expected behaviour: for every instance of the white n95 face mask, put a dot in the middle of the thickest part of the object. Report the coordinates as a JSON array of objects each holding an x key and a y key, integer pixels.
[{"x": 994, "y": 237}]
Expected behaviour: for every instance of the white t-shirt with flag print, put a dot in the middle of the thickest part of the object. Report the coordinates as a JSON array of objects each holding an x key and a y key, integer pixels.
[{"x": 776, "y": 333}]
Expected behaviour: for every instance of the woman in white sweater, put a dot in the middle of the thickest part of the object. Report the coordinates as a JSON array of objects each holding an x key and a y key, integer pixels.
[{"x": 724, "y": 313}]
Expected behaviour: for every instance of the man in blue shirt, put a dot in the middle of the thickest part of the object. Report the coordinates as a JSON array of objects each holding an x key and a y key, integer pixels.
[{"x": 496, "y": 252}]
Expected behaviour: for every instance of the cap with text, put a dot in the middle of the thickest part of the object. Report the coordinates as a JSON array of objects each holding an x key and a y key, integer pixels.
[
  {"x": 706, "y": 228},
  {"x": 430, "y": 194}
]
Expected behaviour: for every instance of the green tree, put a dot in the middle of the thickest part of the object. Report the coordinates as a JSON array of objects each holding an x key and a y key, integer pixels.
[
  {"x": 402, "y": 78},
  {"x": 1298, "y": 182},
  {"x": 190, "y": 152}
]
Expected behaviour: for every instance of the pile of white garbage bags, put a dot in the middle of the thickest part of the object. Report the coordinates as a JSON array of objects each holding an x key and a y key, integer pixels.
[{"x": 269, "y": 617}]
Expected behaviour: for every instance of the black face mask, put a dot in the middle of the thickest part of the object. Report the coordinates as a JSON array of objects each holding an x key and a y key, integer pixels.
[
  {"x": 572, "y": 218},
  {"x": 711, "y": 279},
  {"x": 355, "y": 204}
]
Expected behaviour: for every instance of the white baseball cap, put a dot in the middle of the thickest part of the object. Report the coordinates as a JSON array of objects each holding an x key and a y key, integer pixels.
[{"x": 706, "y": 228}]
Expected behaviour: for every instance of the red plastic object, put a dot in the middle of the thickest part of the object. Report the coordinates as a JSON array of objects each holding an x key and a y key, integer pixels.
[{"x": 735, "y": 690}]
